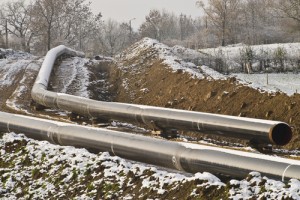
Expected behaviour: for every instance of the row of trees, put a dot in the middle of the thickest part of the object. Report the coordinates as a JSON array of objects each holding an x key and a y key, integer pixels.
[
  {"x": 252, "y": 21},
  {"x": 42, "y": 24}
]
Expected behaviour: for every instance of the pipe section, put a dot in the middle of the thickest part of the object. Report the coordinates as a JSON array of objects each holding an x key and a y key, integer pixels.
[
  {"x": 180, "y": 156},
  {"x": 262, "y": 131}
]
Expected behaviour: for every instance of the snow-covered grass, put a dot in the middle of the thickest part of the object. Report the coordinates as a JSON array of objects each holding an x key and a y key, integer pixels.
[
  {"x": 180, "y": 58},
  {"x": 31, "y": 169},
  {"x": 286, "y": 83},
  {"x": 263, "y": 188},
  {"x": 233, "y": 52},
  {"x": 37, "y": 169},
  {"x": 267, "y": 58}
]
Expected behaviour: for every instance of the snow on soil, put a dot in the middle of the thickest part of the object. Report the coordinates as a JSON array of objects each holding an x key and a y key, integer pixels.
[
  {"x": 11, "y": 64},
  {"x": 37, "y": 166},
  {"x": 40, "y": 170},
  {"x": 191, "y": 61},
  {"x": 22, "y": 87},
  {"x": 164, "y": 53},
  {"x": 10, "y": 54},
  {"x": 9, "y": 69},
  {"x": 247, "y": 189},
  {"x": 72, "y": 77}
]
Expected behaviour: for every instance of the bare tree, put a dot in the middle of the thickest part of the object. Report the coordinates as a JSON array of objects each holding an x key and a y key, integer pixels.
[
  {"x": 187, "y": 26},
  {"x": 17, "y": 18},
  {"x": 162, "y": 25},
  {"x": 78, "y": 24},
  {"x": 112, "y": 38},
  {"x": 46, "y": 14},
  {"x": 152, "y": 24},
  {"x": 222, "y": 14},
  {"x": 289, "y": 8}
]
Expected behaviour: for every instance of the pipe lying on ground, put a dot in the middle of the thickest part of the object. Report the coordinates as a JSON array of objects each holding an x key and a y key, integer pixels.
[
  {"x": 174, "y": 155},
  {"x": 262, "y": 131}
]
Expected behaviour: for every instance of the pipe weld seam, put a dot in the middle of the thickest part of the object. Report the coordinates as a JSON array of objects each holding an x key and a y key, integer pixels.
[
  {"x": 8, "y": 127},
  {"x": 283, "y": 174},
  {"x": 198, "y": 125},
  {"x": 112, "y": 148},
  {"x": 88, "y": 111}
]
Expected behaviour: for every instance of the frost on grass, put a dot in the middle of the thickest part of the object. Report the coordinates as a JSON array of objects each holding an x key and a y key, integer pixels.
[
  {"x": 255, "y": 186},
  {"x": 32, "y": 169},
  {"x": 147, "y": 52}
]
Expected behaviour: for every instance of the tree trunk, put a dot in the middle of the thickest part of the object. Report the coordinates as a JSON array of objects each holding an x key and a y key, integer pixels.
[
  {"x": 23, "y": 42},
  {"x": 28, "y": 43},
  {"x": 49, "y": 38}
]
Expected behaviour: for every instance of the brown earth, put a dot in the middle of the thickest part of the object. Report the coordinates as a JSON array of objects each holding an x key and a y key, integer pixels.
[{"x": 152, "y": 82}]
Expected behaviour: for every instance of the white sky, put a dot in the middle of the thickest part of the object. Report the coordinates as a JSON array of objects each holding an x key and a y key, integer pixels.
[{"x": 124, "y": 10}]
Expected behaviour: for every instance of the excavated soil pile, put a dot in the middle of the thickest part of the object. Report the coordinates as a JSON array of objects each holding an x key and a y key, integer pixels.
[{"x": 144, "y": 76}]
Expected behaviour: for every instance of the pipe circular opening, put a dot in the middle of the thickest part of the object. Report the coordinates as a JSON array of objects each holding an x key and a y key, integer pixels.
[{"x": 281, "y": 134}]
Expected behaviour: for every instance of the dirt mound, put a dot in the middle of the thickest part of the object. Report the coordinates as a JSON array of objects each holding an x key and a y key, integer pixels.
[{"x": 145, "y": 74}]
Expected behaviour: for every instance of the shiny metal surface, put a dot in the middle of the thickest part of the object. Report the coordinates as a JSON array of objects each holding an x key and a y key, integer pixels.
[
  {"x": 174, "y": 155},
  {"x": 262, "y": 131}
]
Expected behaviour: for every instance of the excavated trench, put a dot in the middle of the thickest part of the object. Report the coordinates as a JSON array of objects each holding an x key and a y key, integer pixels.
[{"x": 157, "y": 85}]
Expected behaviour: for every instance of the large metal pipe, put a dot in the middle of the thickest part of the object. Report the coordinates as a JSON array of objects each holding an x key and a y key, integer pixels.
[
  {"x": 180, "y": 156},
  {"x": 263, "y": 131}
]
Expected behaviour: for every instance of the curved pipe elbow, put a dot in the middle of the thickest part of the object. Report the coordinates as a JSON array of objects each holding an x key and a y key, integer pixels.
[{"x": 263, "y": 131}]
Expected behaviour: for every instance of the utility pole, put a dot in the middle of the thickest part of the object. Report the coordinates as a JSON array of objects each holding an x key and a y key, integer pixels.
[{"x": 6, "y": 34}]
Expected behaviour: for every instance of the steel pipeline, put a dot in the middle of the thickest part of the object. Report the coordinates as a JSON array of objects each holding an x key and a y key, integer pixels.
[
  {"x": 264, "y": 131},
  {"x": 180, "y": 156}
]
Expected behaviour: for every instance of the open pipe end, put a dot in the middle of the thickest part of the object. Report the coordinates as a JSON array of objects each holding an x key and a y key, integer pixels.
[{"x": 281, "y": 134}]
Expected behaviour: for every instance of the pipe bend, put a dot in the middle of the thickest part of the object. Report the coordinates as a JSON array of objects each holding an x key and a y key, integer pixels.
[{"x": 281, "y": 134}]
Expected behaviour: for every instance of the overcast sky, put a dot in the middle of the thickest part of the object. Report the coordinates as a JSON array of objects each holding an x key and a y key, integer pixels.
[{"x": 125, "y": 10}]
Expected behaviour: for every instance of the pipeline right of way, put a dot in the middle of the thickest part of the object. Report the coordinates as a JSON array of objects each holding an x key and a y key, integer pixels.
[
  {"x": 263, "y": 131},
  {"x": 174, "y": 155}
]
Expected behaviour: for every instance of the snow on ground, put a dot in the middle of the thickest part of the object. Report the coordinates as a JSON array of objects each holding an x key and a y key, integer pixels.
[
  {"x": 8, "y": 71},
  {"x": 212, "y": 74},
  {"x": 22, "y": 87},
  {"x": 233, "y": 55},
  {"x": 164, "y": 53},
  {"x": 233, "y": 52},
  {"x": 180, "y": 58},
  {"x": 45, "y": 170},
  {"x": 72, "y": 77},
  {"x": 12, "y": 64},
  {"x": 13, "y": 54},
  {"x": 247, "y": 189},
  {"x": 37, "y": 169},
  {"x": 286, "y": 83}
]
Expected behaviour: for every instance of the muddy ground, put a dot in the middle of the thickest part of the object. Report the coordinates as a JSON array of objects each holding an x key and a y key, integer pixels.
[{"x": 152, "y": 82}]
